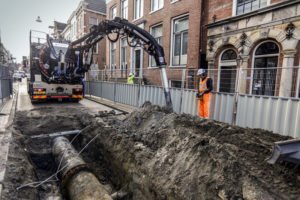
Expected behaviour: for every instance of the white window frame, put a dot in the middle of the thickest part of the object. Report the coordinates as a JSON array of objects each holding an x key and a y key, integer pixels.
[
  {"x": 90, "y": 25},
  {"x": 234, "y": 7},
  {"x": 97, "y": 48},
  {"x": 111, "y": 10},
  {"x": 255, "y": 56},
  {"x": 123, "y": 14},
  {"x": 123, "y": 67},
  {"x": 141, "y": 2},
  {"x": 151, "y": 28},
  {"x": 172, "y": 41},
  {"x": 228, "y": 63},
  {"x": 110, "y": 56},
  {"x": 159, "y": 7}
]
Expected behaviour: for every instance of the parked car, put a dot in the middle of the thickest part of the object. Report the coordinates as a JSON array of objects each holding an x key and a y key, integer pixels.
[{"x": 17, "y": 76}]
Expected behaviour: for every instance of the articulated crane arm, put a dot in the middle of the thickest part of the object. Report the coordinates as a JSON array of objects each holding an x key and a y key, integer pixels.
[{"x": 136, "y": 37}]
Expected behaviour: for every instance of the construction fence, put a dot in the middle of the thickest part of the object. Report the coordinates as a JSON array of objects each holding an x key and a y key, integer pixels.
[
  {"x": 246, "y": 98},
  {"x": 271, "y": 81},
  {"x": 5, "y": 83}
]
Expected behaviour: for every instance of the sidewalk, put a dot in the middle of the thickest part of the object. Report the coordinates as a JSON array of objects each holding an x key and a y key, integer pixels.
[
  {"x": 117, "y": 106},
  {"x": 7, "y": 113}
]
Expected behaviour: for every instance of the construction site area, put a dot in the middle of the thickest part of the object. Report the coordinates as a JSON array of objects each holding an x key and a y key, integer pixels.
[
  {"x": 88, "y": 150},
  {"x": 197, "y": 119}
]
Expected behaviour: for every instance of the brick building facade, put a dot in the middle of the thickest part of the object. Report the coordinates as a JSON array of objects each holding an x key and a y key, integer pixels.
[
  {"x": 87, "y": 14},
  {"x": 259, "y": 38},
  {"x": 175, "y": 24}
]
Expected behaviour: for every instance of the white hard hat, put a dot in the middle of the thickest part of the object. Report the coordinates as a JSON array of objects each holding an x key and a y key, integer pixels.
[
  {"x": 130, "y": 74},
  {"x": 201, "y": 71}
]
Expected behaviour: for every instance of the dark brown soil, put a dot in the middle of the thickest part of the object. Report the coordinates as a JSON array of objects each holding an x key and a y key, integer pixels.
[
  {"x": 153, "y": 154},
  {"x": 170, "y": 156},
  {"x": 19, "y": 171}
]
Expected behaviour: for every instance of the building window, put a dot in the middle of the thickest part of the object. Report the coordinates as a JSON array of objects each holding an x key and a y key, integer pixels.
[
  {"x": 177, "y": 84},
  {"x": 113, "y": 12},
  {"x": 93, "y": 21},
  {"x": 95, "y": 49},
  {"x": 244, "y": 6},
  {"x": 156, "y": 4},
  {"x": 227, "y": 72},
  {"x": 124, "y": 9},
  {"x": 265, "y": 69},
  {"x": 123, "y": 53},
  {"x": 112, "y": 55},
  {"x": 157, "y": 33},
  {"x": 180, "y": 41},
  {"x": 138, "y": 8}
]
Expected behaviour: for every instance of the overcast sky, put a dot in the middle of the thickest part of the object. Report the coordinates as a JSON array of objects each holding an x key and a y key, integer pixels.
[{"x": 17, "y": 17}]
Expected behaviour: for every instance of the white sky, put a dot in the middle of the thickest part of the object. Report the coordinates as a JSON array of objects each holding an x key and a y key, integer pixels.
[{"x": 17, "y": 17}]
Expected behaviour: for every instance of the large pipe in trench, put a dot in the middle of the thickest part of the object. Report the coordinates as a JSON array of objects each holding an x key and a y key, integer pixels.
[{"x": 78, "y": 182}]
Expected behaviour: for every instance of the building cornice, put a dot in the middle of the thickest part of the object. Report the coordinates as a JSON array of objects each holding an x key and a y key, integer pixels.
[
  {"x": 97, "y": 12},
  {"x": 266, "y": 25},
  {"x": 254, "y": 13}
]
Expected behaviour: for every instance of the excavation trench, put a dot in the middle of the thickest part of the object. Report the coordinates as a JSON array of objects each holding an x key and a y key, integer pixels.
[{"x": 153, "y": 154}]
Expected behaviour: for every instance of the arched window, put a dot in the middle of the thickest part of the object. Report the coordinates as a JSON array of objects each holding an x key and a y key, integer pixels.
[
  {"x": 227, "y": 72},
  {"x": 265, "y": 69}
]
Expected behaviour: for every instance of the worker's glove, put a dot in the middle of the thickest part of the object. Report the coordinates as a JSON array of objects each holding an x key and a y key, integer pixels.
[{"x": 200, "y": 94}]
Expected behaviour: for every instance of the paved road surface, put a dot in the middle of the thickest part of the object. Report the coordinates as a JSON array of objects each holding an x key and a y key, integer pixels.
[{"x": 24, "y": 102}]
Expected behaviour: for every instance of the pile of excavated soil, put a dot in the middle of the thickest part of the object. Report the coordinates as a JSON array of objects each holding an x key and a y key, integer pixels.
[
  {"x": 161, "y": 155},
  {"x": 154, "y": 154}
]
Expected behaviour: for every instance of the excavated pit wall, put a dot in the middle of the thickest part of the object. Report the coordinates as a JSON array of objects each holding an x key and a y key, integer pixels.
[
  {"x": 160, "y": 155},
  {"x": 153, "y": 154}
]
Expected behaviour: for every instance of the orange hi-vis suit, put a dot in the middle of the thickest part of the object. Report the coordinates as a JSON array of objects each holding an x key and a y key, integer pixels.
[{"x": 204, "y": 101}]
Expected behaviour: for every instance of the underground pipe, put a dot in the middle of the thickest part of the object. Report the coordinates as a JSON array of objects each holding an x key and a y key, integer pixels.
[{"x": 77, "y": 181}]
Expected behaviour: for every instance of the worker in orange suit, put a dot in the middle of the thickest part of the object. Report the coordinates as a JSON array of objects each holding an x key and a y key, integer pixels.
[{"x": 204, "y": 93}]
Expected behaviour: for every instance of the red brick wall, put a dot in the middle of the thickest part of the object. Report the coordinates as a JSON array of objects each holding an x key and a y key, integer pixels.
[
  {"x": 192, "y": 8},
  {"x": 100, "y": 55},
  {"x": 222, "y": 9},
  {"x": 277, "y": 1}
]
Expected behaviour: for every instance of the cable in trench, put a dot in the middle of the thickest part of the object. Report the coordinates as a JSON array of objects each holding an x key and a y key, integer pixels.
[{"x": 39, "y": 183}]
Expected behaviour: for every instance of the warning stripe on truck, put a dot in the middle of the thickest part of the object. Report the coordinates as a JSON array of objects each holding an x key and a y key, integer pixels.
[
  {"x": 77, "y": 96},
  {"x": 59, "y": 97},
  {"x": 39, "y": 97}
]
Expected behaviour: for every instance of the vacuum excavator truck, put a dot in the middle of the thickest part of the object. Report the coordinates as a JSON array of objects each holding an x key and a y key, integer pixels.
[
  {"x": 51, "y": 77},
  {"x": 57, "y": 66}
]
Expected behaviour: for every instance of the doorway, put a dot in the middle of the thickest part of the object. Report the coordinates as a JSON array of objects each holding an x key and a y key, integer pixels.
[{"x": 138, "y": 62}]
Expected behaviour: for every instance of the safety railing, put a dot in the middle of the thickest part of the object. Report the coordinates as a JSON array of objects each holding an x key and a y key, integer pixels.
[
  {"x": 278, "y": 114},
  {"x": 270, "y": 81}
]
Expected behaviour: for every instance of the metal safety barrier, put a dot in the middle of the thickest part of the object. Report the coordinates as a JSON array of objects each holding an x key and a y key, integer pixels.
[{"x": 280, "y": 115}]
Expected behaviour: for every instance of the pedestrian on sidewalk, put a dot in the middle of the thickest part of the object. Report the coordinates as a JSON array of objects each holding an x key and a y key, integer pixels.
[
  {"x": 204, "y": 93},
  {"x": 130, "y": 79}
]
